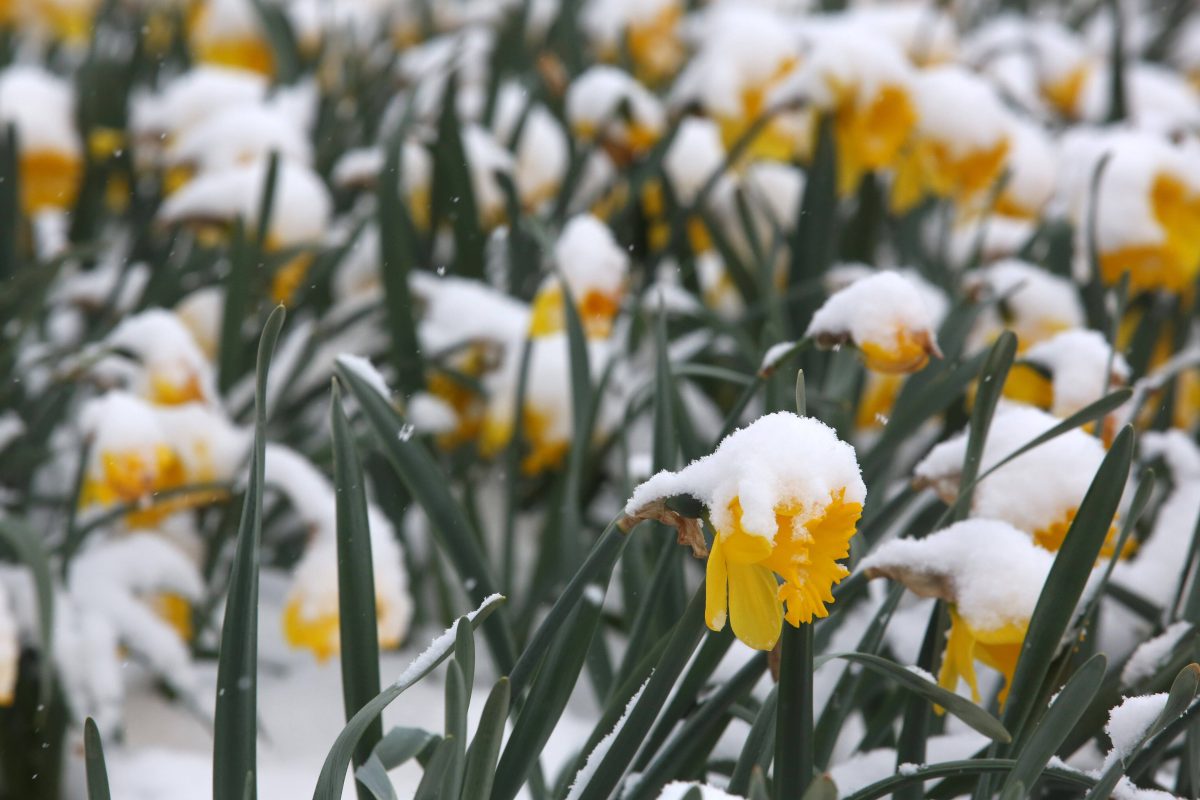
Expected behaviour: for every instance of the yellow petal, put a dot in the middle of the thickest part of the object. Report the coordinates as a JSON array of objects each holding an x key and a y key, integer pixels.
[
  {"x": 754, "y": 608},
  {"x": 716, "y": 587}
]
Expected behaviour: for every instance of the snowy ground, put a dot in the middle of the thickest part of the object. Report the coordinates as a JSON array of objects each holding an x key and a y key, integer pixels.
[{"x": 166, "y": 753}]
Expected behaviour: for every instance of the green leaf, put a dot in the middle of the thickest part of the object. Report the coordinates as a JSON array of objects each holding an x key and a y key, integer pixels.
[
  {"x": 452, "y": 529},
  {"x": 439, "y": 767},
  {"x": 612, "y": 767},
  {"x": 485, "y": 747},
  {"x": 400, "y": 744},
  {"x": 454, "y": 198},
  {"x": 235, "y": 727},
  {"x": 822, "y": 788},
  {"x": 548, "y": 695},
  {"x": 794, "y": 719},
  {"x": 358, "y": 626},
  {"x": 284, "y": 47},
  {"x": 815, "y": 239},
  {"x": 596, "y": 570},
  {"x": 464, "y": 656},
  {"x": 991, "y": 388},
  {"x": 971, "y": 714},
  {"x": 1183, "y": 692},
  {"x": 93, "y": 754},
  {"x": 333, "y": 771},
  {"x": 758, "y": 748},
  {"x": 238, "y": 287},
  {"x": 954, "y": 769},
  {"x": 1053, "y": 728},
  {"x": 373, "y": 778},
  {"x": 456, "y": 722},
  {"x": 1065, "y": 583},
  {"x": 29, "y": 550},
  {"x": 396, "y": 240}
]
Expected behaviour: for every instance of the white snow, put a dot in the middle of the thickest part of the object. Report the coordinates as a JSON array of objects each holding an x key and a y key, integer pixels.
[
  {"x": 1078, "y": 362},
  {"x": 440, "y": 645},
  {"x": 874, "y": 310},
  {"x": 1130, "y": 721},
  {"x": 367, "y": 372},
  {"x": 588, "y": 770},
  {"x": 589, "y": 258},
  {"x": 1152, "y": 653},
  {"x": 11, "y": 428},
  {"x": 775, "y": 354}
]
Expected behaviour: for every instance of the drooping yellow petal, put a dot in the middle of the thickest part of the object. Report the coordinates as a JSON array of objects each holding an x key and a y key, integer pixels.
[
  {"x": 716, "y": 588},
  {"x": 754, "y": 608},
  {"x": 959, "y": 660},
  {"x": 318, "y": 634}
]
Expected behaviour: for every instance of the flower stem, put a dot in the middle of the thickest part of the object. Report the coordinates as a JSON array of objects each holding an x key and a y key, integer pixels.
[{"x": 794, "y": 722}]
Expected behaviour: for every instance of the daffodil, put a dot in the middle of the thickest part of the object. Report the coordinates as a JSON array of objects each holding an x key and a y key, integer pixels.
[
  {"x": 1148, "y": 214},
  {"x": 1072, "y": 370},
  {"x": 746, "y": 54},
  {"x": 1038, "y": 492},
  {"x": 41, "y": 108},
  {"x": 990, "y": 574},
  {"x": 594, "y": 269},
  {"x": 229, "y": 33},
  {"x": 300, "y": 212},
  {"x": 865, "y": 85},
  {"x": 784, "y": 495},
  {"x": 610, "y": 107},
  {"x": 953, "y": 155},
  {"x": 1031, "y": 302},
  {"x": 170, "y": 367},
  {"x": 140, "y": 450},
  {"x": 885, "y": 317},
  {"x": 650, "y": 32}
]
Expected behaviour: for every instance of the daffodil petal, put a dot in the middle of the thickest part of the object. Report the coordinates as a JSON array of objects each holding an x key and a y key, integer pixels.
[
  {"x": 716, "y": 610},
  {"x": 754, "y": 608}
]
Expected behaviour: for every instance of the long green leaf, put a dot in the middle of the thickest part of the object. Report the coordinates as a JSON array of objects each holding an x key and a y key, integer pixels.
[
  {"x": 485, "y": 747},
  {"x": 28, "y": 549},
  {"x": 337, "y": 762},
  {"x": 1072, "y": 566},
  {"x": 235, "y": 727},
  {"x": 395, "y": 227},
  {"x": 451, "y": 527},
  {"x": 358, "y": 626},
  {"x": 991, "y": 387},
  {"x": 93, "y": 754},
  {"x": 1053, "y": 728}
]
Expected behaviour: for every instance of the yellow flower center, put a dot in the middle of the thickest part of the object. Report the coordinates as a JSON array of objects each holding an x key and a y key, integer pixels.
[
  {"x": 287, "y": 278},
  {"x": 933, "y": 168},
  {"x": 240, "y": 52},
  {"x": 1172, "y": 263},
  {"x": 1064, "y": 93},
  {"x": 1027, "y": 384},
  {"x": 544, "y": 452},
  {"x": 321, "y": 633},
  {"x": 176, "y": 611},
  {"x": 654, "y": 45},
  {"x": 879, "y": 396},
  {"x": 742, "y": 582},
  {"x": 1051, "y": 537},
  {"x": 775, "y": 141},
  {"x": 165, "y": 392}
]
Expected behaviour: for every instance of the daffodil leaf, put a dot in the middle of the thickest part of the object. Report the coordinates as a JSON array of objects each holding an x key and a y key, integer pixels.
[
  {"x": 451, "y": 527},
  {"x": 337, "y": 761},
  {"x": 372, "y": 778},
  {"x": 93, "y": 755},
  {"x": 758, "y": 747},
  {"x": 1064, "y": 585},
  {"x": 953, "y": 769},
  {"x": 964, "y": 709},
  {"x": 400, "y": 744},
  {"x": 357, "y": 623},
  {"x": 27, "y": 548},
  {"x": 1053, "y": 728},
  {"x": 397, "y": 242},
  {"x": 485, "y": 747},
  {"x": 991, "y": 388}
]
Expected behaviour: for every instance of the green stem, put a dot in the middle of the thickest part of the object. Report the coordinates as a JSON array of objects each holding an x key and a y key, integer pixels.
[{"x": 794, "y": 722}]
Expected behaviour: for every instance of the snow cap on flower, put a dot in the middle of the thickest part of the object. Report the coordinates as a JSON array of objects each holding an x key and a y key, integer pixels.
[
  {"x": 360, "y": 168},
  {"x": 540, "y": 150},
  {"x": 1077, "y": 362},
  {"x": 1033, "y": 303},
  {"x": 784, "y": 495},
  {"x": 457, "y": 311},
  {"x": 608, "y": 105},
  {"x": 171, "y": 367},
  {"x": 1032, "y": 165},
  {"x": 923, "y": 31},
  {"x": 200, "y": 312},
  {"x": 486, "y": 157},
  {"x": 986, "y": 567},
  {"x": 192, "y": 98},
  {"x": 238, "y": 135},
  {"x": 885, "y": 317},
  {"x": 1039, "y": 491},
  {"x": 41, "y": 107},
  {"x": 955, "y": 155},
  {"x": 695, "y": 154},
  {"x": 1159, "y": 99},
  {"x": 594, "y": 269},
  {"x": 992, "y": 576},
  {"x": 300, "y": 212}
]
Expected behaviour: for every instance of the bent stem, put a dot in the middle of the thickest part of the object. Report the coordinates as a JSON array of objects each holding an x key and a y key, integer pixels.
[{"x": 794, "y": 721}]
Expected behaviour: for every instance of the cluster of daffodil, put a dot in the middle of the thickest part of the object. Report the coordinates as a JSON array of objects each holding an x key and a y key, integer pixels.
[{"x": 462, "y": 199}]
